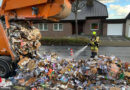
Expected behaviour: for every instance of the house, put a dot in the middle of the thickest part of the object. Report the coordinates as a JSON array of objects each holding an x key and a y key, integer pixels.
[
  {"x": 89, "y": 19},
  {"x": 127, "y": 33}
]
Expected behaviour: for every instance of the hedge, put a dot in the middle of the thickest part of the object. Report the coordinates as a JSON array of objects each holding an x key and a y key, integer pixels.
[
  {"x": 64, "y": 41},
  {"x": 128, "y": 38}
]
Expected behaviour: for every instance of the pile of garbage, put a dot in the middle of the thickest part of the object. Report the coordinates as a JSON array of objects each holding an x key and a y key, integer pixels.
[
  {"x": 24, "y": 41},
  {"x": 52, "y": 72},
  {"x": 55, "y": 73}
]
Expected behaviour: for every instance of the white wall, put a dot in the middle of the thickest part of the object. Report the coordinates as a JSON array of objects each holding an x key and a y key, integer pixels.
[{"x": 127, "y": 28}]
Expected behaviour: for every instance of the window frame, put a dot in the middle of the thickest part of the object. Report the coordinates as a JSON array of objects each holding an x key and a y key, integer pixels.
[
  {"x": 58, "y": 24},
  {"x": 94, "y": 23},
  {"x": 43, "y": 26}
]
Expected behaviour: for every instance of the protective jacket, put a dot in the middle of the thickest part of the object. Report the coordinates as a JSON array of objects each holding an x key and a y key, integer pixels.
[{"x": 94, "y": 43}]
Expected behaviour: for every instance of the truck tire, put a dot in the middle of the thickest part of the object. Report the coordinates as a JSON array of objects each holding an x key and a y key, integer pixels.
[{"x": 5, "y": 66}]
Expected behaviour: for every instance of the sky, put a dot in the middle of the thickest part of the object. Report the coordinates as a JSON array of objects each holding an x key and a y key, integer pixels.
[{"x": 117, "y": 9}]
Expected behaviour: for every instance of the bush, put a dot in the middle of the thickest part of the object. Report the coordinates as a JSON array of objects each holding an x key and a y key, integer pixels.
[
  {"x": 128, "y": 38},
  {"x": 64, "y": 41}
]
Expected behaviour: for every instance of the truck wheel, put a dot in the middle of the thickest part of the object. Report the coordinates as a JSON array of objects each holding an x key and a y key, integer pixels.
[{"x": 5, "y": 66}]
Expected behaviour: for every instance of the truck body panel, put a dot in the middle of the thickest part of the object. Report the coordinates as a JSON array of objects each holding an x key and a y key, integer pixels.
[{"x": 5, "y": 49}]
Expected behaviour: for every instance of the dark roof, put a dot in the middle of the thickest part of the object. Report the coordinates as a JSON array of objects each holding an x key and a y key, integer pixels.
[
  {"x": 114, "y": 21},
  {"x": 128, "y": 16},
  {"x": 97, "y": 10}
]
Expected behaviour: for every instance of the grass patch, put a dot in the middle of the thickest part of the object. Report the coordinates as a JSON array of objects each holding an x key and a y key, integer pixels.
[{"x": 64, "y": 41}]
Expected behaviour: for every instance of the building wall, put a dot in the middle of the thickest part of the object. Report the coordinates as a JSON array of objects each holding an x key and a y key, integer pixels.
[
  {"x": 124, "y": 29},
  {"x": 104, "y": 29},
  {"x": 87, "y": 26},
  {"x": 67, "y": 31},
  {"x": 67, "y": 28},
  {"x": 127, "y": 27}
]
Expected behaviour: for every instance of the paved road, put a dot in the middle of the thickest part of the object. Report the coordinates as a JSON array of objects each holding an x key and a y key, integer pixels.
[{"x": 64, "y": 51}]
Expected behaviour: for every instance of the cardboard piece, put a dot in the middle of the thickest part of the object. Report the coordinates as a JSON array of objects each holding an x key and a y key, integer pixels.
[
  {"x": 31, "y": 65},
  {"x": 127, "y": 74},
  {"x": 115, "y": 88},
  {"x": 23, "y": 62},
  {"x": 30, "y": 81}
]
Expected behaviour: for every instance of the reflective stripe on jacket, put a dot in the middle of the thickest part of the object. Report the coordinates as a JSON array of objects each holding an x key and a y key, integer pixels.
[{"x": 94, "y": 48}]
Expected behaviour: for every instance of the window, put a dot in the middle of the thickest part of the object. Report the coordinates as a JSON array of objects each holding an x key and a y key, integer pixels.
[
  {"x": 95, "y": 26},
  {"x": 58, "y": 27},
  {"x": 43, "y": 26}
]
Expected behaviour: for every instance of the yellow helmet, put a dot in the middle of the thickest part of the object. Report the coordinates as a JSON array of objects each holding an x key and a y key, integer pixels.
[{"x": 94, "y": 33}]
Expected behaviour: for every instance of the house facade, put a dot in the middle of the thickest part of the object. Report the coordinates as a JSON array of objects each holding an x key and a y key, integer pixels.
[
  {"x": 89, "y": 19},
  {"x": 55, "y": 30}
]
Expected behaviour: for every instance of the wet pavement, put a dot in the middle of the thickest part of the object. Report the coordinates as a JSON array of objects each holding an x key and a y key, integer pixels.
[{"x": 64, "y": 51}]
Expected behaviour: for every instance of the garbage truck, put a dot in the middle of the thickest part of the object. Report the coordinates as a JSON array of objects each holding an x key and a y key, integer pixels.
[{"x": 17, "y": 11}]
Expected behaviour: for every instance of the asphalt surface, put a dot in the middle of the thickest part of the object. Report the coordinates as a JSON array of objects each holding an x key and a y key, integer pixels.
[{"x": 64, "y": 51}]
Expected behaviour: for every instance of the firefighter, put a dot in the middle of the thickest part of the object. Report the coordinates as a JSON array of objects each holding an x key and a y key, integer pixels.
[{"x": 94, "y": 44}]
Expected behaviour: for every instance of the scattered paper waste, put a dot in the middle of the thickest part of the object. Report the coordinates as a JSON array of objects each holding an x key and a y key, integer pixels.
[{"x": 56, "y": 74}]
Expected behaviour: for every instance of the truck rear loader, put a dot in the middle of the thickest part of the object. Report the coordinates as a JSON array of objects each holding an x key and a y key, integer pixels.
[{"x": 17, "y": 11}]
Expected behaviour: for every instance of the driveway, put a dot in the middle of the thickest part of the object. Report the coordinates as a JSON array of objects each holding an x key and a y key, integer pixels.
[
  {"x": 115, "y": 41},
  {"x": 114, "y": 38}
]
